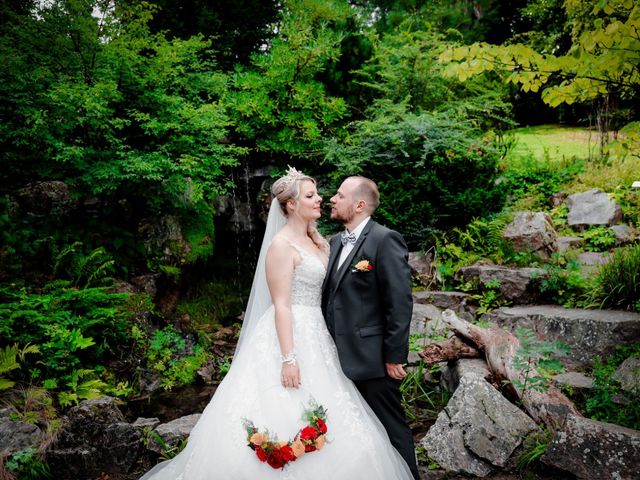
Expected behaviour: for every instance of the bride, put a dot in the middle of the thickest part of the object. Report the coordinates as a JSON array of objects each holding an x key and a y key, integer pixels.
[{"x": 285, "y": 410}]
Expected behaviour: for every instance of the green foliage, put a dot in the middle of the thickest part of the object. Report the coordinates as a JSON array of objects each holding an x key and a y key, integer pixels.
[
  {"x": 279, "y": 105},
  {"x": 600, "y": 403},
  {"x": 28, "y": 465},
  {"x": 170, "y": 355},
  {"x": 75, "y": 331},
  {"x": 599, "y": 239},
  {"x": 127, "y": 117},
  {"x": 33, "y": 405},
  {"x": 9, "y": 357},
  {"x": 564, "y": 283},
  {"x": 432, "y": 170},
  {"x": 489, "y": 298},
  {"x": 538, "y": 178},
  {"x": 403, "y": 69},
  {"x": 618, "y": 281},
  {"x": 420, "y": 400},
  {"x": 602, "y": 59},
  {"x": 209, "y": 303},
  {"x": 459, "y": 247},
  {"x": 536, "y": 356},
  {"x": 535, "y": 445},
  {"x": 83, "y": 270},
  {"x": 167, "y": 451},
  {"x": 79, "y": 385}
]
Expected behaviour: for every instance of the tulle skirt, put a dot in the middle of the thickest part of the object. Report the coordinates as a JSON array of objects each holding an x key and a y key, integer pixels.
[{"x": 357, "y": 445}]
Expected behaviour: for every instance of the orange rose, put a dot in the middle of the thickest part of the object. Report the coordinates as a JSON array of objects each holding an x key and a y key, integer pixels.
[
  {"x": 320, "y": 442},
  {"x": 362, "y": 265},
  {"x": 298, "y": 448},
  {"x": 258, "y": 439}
]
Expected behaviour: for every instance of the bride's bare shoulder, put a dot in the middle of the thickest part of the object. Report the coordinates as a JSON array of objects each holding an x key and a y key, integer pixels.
[{"x": 280, "y": 247}]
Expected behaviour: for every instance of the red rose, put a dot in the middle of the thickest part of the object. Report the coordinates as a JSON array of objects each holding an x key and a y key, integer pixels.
[
  {"x": 276, "y": 459},
  {"x": 370, "y": 267},
  {"x": 309, "y": 448},
  {"x": 261, "y": 454},
  {"x": 308, "y": 433},
  {"x": 321, "y": 425},
  {"x": 287, "y": 453}
]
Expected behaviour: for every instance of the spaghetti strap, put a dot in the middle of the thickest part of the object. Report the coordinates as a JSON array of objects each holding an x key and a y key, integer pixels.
[{"x": 303, "y": 251}]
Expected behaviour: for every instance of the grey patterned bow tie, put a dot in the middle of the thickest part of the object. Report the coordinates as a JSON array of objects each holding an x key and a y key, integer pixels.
[{"x": 347, "y": 238}]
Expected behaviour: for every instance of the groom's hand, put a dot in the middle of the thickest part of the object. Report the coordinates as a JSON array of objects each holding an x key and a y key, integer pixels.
[{"x": 395, "y": 371}]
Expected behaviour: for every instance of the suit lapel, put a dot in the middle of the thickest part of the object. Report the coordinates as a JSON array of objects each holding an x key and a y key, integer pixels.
[
  {"x": 334, "y": 254},
  {"x": 346, "y": 266}
]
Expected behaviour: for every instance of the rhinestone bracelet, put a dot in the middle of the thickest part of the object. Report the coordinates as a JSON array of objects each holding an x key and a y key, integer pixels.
[{"x": 289, "y": 358}]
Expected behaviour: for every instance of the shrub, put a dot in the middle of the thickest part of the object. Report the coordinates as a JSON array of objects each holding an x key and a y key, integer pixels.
[
  {"x": 618, "y": 282},
  {"x": 174, "y": 358},
  {"x": 565, "y": 285},
  {"x": 432, "y": 170},
  {"x": 600, "y": 403}
]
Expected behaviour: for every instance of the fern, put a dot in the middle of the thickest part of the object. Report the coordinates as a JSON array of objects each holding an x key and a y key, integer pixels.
[{"x": 9, "y": 361}]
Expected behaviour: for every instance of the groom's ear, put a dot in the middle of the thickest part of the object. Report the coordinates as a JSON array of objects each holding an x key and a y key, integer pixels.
[{"x": 361, "y": 206}]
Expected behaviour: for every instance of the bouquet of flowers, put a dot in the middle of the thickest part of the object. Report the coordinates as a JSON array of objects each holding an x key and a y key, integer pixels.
[{"x": 278, "y": 453}]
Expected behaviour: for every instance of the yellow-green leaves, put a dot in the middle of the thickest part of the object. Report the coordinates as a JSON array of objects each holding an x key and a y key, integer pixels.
[{"x": 604, "y": 59}]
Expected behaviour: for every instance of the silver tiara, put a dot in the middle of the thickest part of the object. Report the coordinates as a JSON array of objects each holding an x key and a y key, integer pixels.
[{"x": 291, "y": 176}]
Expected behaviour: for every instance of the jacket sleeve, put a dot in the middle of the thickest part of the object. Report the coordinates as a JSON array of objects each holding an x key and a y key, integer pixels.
[{"x": 394, "y": 280}]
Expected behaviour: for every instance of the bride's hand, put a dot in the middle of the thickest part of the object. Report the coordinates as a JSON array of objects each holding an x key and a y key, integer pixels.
[{"x": 290, "y": 376}]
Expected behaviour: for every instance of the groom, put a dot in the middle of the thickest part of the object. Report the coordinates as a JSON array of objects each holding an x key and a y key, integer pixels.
[{"x": 367, "y": 303}]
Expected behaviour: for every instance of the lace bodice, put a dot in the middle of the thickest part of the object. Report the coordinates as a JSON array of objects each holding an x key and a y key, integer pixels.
[{"x": 306, "y": 287}]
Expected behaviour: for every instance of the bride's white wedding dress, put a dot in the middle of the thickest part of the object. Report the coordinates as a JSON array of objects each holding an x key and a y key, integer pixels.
[{"x": 357, "y": 445}]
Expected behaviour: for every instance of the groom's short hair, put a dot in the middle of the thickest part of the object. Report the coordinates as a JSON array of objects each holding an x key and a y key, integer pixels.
[{"x": 367, "y": 190}]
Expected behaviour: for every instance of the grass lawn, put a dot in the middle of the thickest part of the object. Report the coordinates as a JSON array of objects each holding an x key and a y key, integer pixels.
[{"x": 555, "y": 142}]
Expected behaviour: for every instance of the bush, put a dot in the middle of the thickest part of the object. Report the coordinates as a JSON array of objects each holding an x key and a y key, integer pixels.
[
  {"x": 71, "y": 334},
  {"x": 618, "y": 282},
  {"x": 432, "y": 170},
  {"x": 600, "y": 404}
]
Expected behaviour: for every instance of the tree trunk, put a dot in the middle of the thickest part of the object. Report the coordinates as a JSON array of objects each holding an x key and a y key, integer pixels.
[{"x": 549, "y": 407}]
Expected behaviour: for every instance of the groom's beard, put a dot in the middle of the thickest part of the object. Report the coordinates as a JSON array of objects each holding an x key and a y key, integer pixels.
[{"x": 343, "y": 217}]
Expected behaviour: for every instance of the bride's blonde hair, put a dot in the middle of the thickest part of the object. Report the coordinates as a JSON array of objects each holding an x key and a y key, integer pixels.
[{"x": 288, "y": 188}]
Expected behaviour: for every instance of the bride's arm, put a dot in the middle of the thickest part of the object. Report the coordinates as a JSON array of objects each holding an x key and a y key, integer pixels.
[{"x": 279, "y": 266}]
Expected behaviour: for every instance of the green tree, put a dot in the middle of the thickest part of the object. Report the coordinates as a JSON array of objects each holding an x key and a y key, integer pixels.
[
  {"x": 602, "y": 63},
  {"x": 237, "y": 28},
  {"x": 278, "y": 104},
  {"x": 120, "y": 113}
]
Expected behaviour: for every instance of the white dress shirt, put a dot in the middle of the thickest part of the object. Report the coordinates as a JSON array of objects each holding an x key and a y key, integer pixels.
[{"x": 346, "y": 249}]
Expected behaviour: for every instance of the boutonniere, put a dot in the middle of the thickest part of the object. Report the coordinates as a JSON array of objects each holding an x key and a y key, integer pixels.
[{"x": 361, "y": 264}]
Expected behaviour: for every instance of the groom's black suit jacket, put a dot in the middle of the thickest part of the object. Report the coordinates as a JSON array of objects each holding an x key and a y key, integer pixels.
[{"x": 368, "y": 313}]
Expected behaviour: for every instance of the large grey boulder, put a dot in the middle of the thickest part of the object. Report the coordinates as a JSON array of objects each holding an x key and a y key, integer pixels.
[
  {"x": 592, "y": 450},
  {"x": 477, "y": 431},
  {"x": 588, "y": 333},
  {"x": 173, "y": 432},
  {"x": 16, "y": 435},
  {"x": 593, "y": 207},
  {"x": 95, "y": 439},
  {"x": 532, "y": 231},
  {"x": 517, "y": 285}
]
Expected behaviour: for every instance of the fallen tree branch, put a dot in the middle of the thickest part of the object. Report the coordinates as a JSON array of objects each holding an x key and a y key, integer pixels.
[
  {"x": 500, "y": 347},
  {"x": 450, "y": 349}
]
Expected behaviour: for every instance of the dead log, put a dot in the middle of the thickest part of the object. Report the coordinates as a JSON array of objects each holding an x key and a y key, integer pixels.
[
  {"x": 549, "y": 407},
  {"x": 451, "y": 349}
]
